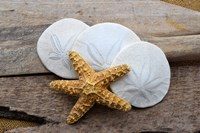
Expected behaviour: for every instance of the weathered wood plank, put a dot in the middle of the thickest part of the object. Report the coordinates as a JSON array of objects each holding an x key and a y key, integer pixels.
[
  {"x": 178, "y": 112},
  {"x": 18, "y": 55},
  {"x": 20, "y": 58},
  {"x": 21, "y": 24},
  {"x": 179, "y": 48},
  {"x": 147, "y": 17}
]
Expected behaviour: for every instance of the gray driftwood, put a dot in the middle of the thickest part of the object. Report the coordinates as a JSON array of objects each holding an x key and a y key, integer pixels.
[
  {"x": 174, "y": 29},
  {"x": 178, "y": 112}
]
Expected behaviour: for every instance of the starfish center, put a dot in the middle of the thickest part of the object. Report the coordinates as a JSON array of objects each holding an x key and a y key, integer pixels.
[{"x": 89, "y": 88}]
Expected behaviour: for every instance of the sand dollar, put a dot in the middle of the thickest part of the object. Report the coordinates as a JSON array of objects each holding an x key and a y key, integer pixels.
[
  {"x": 55, "y": 43},
  {"x": 100, "y": 43},
  {"x": 148, "y": 81}
]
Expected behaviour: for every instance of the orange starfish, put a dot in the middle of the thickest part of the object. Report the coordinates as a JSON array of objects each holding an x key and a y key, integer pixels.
[{"x": 91, "y": 87}]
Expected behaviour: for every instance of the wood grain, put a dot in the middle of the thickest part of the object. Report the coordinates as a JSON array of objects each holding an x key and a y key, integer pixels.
[
  {"x": 178, "y": 112},
  {"x": 179, "y": 48},
  {"x": 20, "y": 56},
  {"x": 146, "y": 17},
  {"x": 173, "y": 28}
]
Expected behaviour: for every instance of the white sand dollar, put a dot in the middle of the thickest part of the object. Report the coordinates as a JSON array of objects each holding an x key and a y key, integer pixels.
[
  {"x": 55, "y": 43},
  {"x": 148, "y": 81},
  {"x": 100, "y": 43}
]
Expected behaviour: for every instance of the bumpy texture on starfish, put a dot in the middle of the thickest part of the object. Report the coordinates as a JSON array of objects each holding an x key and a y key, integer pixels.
[{"x": 91, "y": 87}]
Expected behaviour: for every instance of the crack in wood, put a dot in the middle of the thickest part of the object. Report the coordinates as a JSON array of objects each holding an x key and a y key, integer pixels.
[
  {"x": 5, "y": 112},
  {"x": 16, "y": 119}
]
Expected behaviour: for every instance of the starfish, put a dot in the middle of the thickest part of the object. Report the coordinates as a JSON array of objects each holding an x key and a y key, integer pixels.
[{"x": 91, "y": 87}]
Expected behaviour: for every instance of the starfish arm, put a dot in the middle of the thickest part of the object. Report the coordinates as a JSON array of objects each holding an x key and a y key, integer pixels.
[
  {"x": 105, "y": 97},
  {"x": 80, "y": 65},
  {"x": 110, "y": 75},
  {"x": 72, "y": 87},
  {"x": 83, "y": 104}
]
